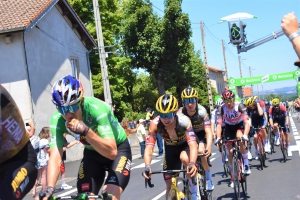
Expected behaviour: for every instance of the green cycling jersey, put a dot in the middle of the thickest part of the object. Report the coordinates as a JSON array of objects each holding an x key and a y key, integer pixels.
[{"x": 97, "y": 115}]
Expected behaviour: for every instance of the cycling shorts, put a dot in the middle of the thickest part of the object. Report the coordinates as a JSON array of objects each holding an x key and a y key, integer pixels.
[
  {"x": 201, "y": 137},
  {"x": 62, "y": 167},
  {"x": 172, "y": 158},
  {"x": 230, "y": 130},
  {"x": 18, "y": 174},
  {"x": 281, "y": 123},
  {"x": 93, "y": 166},
  {"x": 259, "y": 123}
]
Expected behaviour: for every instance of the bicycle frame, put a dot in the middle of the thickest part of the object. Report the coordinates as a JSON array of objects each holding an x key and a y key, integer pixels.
[
  {"x": 85, "y": 196},
  {"x": 260, "y": 147},
  {"x": 174, "y": 191}
]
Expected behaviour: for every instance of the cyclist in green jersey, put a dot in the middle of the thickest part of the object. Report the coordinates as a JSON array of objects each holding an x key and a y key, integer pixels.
[{"x": 106, "y": 144}]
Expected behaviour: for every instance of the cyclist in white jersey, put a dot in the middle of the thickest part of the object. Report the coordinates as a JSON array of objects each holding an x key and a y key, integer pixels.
[{"x": 235, "y": 117}]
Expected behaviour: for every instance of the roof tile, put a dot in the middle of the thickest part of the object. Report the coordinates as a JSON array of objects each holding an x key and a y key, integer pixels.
[{"x": 20, "y": 13}]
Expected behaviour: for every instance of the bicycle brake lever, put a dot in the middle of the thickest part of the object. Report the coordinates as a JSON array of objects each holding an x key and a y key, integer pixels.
[{"x": 148, "y": 181}]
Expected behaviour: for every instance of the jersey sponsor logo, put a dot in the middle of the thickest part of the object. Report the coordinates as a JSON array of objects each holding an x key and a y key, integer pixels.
[
  {"x": 13, "y": 128},
  {"x": 125, "y": 172},
  {"x": 112, "y": 179},
  {"x": 101, "y": 116},
  {"x": 94, "y": 106},
  {"x": 55, "y": 127},
  {"x": 105, "y": 129},
  {"x": 19, "y": 178},
  {"x": 121, "y": 164},
  {"x": 232, "y": 115},
  {"x": 56, "y": 116},
  {"x": 85, "y": 186},
  {"x": 81, "y": 172},
  {"x": 18, "y": 194}
]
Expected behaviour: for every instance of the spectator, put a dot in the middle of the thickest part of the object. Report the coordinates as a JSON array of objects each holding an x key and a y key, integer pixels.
[
  {"x": 290, "y": 27},
  {"x": 235, "y": 32},
  {"x": 141, "y": 135},
  {"x": 42, "y": 158},
  {"x": 149, "y": 116},
  {"x": 125, "y": 125},
  {"x": 67, "y": 145}
]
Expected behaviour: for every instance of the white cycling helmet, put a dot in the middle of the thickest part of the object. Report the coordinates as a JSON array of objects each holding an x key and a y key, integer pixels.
[{"x": 219, "y": 102}]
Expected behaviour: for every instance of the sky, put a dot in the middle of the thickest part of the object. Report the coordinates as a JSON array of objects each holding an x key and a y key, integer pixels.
[{"x": 274, "y": 56}]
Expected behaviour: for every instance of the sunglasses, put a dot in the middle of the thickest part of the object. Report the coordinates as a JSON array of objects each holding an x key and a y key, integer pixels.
[
  {"x": 189, "y": 100},
  {"x": 276, "y": 106},
  {"x": 64, "y": 109},
  {"x": 228, "y": 100},
  {"x": 166, "y": 115}
]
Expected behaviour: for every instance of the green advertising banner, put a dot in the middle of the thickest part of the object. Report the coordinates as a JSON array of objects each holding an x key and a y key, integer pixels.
[
  {"x": 264, "y": 79},
  {"x": 298, "y": 88}
]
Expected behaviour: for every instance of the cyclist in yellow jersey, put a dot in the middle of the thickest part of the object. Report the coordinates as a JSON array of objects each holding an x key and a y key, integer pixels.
[{"x": 18, "y": 159}]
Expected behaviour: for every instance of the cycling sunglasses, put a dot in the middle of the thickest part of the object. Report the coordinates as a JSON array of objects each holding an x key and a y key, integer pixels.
[
  {"x": 166, "y": 115},
  {"x": 276, "y": 106},
  {"x": 228, "y": 100},
  {"x": 189, "y": 100},
  {"x": 72, "y": 109}
]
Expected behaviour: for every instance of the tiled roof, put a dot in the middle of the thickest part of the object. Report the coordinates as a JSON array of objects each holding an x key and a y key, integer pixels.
[
  {"x": 215, "y": 69},
  {"x": 16, "y": 14}
]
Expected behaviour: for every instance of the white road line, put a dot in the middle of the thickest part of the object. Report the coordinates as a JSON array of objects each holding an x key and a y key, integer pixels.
[
  {"x": 66, "y": 193},
  {"x": 162, "y": 194},
  {"x": 296, "y": 136}
]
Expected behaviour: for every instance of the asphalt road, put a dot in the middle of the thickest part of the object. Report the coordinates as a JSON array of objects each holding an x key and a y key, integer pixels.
[{"x": 279, "y": 181}]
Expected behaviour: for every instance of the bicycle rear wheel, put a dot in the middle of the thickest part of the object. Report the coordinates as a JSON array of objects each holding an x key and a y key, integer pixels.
[
  {"x": 236, "y": 183},
  {"x": 272, "y": 141}
]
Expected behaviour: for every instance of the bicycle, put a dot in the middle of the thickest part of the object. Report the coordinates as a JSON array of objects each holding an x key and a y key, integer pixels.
[
  {"x": 260, "y": 148},
  {"x": 282, "y": 144},
  {"x": 175, "y": 193},
  {"x": 85, "y": 196},
  {"x": 239, "y": 178}
]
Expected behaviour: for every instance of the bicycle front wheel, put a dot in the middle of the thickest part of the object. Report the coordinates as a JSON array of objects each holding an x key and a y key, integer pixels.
[
  {"x": 173, "y": 195},
  {"x": 236, "y": 184},
  {"x": 260, "y": 151},
  {"x": 283, "y": 149}
]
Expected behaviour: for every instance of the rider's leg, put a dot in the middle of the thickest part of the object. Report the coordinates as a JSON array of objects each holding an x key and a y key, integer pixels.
[
  {"x": 209, "y": 185},
  {"x": 276, "y": 132},
  {"x": 244, "y": 152}
]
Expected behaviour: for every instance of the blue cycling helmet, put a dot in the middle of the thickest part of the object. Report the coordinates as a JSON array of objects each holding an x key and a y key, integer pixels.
[{"x": 67, "y": 91}]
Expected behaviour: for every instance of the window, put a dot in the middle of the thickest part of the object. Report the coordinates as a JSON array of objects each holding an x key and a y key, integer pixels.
[{"x": 75, "y": 67}]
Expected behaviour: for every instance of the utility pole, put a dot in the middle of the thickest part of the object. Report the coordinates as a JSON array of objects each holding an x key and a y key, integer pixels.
[
  {"x": 251, "y": 76},
  {"x": 210, "y": 101},
  {"x": 241, "y": 74},
  {"x": 102, "y": 54},
  {"x": 223, "y": 48},
  {"x": 240, "y": 67}
]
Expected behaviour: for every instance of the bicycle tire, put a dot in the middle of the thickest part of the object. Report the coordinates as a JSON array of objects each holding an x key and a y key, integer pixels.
[
  {"x": 283, "y": 149},
  {"x": 225, "y": 163},
  {"x": 272, "y": 142},
  {"x": 243, "y": 180},
  {"x": 236, "y": 184},
  {"x": 173, "y": 195},
  {"x": 261, "y": 156}
]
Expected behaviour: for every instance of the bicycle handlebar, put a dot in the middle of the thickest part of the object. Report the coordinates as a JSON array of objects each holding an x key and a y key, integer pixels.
[
  {"x": 103, "y": 196},
  {"x": 148, "y": 181}
]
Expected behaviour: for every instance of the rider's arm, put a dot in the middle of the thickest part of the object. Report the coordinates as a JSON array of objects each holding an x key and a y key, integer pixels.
[
  {"x": 150, "y": 141},
  {"x": 243, "y": 110},
  {"x": 286, "y": 116},
  {"x": 219, "y": 121},
  {"x": 259, "y": 109},
  {"x": 191, "y": 140},
  {"x": 208, "y": 132},
  {"x": 270, "y": 116}
]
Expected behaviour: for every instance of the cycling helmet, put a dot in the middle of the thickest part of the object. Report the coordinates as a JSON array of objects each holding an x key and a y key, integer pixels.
[
  {"x": 249, "y": 101},
  {"x": 189, "y": 92},
  {"x": 219, "y": 102},
  {"x": 275, "y": 101},
  {"x": 227, "y": 94},
  {"x": 267, "y": 103},
  {"x": 67, "y": 91},
  {"x": 255, "y": 97},
  {"x": 166, "y": 103}
]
